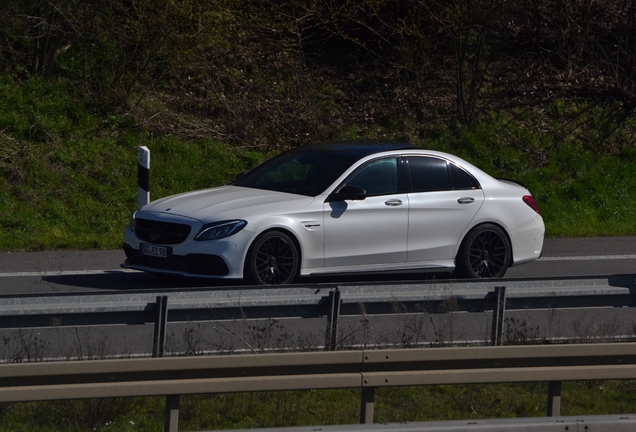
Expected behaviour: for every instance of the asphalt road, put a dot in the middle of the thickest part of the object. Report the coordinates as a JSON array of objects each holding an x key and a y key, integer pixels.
[
  {"x": 99, "y": 271},
  {"x": 80, "y": 271}
]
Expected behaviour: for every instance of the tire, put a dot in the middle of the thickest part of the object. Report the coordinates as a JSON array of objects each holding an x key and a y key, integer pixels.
[
  {"x": 273, "y": 259},
  {"x": 485, "y": 253}
]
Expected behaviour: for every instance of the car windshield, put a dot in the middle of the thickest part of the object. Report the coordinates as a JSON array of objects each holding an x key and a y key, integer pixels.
[{"x": 298, "y": 172}]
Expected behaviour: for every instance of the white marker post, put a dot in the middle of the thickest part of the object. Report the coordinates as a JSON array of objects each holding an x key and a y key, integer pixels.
[{"x": 143, "y": 176}]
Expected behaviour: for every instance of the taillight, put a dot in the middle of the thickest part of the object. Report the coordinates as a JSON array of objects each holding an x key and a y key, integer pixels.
[{"x": 532, "y": 203}]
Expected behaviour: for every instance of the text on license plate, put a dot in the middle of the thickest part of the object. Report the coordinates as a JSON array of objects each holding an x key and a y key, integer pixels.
[{"x": 155, "y": 251}]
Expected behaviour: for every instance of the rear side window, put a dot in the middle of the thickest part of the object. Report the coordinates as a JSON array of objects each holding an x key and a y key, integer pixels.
[
  {"x": 430, "y": 174},
  {"x": 461, "y": 179}
]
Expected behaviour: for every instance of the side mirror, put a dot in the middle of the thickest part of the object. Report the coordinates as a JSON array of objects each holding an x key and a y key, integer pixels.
[{"x": 348, "y": 192}]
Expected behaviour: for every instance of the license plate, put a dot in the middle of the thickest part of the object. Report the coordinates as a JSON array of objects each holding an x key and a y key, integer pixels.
[{"x": 154, "y": 251}]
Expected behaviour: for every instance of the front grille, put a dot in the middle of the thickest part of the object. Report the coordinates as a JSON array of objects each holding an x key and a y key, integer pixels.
[{"x": 161, "y": 232}]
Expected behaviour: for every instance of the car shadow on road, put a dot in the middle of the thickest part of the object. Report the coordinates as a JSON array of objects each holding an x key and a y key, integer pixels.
[{"x": 133, "y": 281}]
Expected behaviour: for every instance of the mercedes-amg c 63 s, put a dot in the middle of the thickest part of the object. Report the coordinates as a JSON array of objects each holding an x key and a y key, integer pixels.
[{"x": 342, "y": 207}]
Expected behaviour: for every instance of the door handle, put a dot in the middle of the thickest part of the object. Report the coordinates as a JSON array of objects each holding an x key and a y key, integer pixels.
[
  {"x": 393, "y": 202},
  {"x": 466, "y": 200}
]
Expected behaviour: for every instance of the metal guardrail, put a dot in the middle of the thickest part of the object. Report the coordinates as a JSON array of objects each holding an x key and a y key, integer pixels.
[
  {"x": 608, "y": 423},
  {"x": 341, "y": 369},
  {"x": 296, "y": 301},
  {"x": 366, "y": 370},
  {"x": 332, "y": 301}
]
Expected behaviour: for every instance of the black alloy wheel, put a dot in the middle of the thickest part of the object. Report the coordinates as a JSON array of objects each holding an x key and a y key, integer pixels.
[
  {"x": 273, "y": 259},
  {"x": 485, "y": 253}
]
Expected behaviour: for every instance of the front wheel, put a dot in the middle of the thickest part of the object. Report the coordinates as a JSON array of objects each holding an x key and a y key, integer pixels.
[
  {"x": 273, "y": 259},
  {"x": 485, "y": 253}
]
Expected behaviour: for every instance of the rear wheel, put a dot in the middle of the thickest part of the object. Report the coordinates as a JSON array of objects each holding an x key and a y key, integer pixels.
[
  {"x": 485, "y": 253},
  {"x": 273, "y": 259}
]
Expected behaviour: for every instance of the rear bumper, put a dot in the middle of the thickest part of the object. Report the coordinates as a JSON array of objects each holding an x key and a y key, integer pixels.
[{"x": 527, "y": 242}]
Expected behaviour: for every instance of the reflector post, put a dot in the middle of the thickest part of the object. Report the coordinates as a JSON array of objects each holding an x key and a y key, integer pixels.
[{"x": 143, "y": 176}]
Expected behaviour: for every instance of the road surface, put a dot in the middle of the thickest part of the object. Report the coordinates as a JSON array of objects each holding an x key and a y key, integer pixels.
[{"x": 79, "y": 271}]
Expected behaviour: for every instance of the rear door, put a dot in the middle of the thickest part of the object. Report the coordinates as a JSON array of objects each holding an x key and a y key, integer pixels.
[{"x": 443, "y": 201}]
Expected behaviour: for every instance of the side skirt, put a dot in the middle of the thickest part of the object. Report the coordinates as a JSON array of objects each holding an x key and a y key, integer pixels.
[{"x": 427, "y": 266}]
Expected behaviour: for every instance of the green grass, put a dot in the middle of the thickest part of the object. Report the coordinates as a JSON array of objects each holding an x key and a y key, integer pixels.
[
  {"x": 70, "y": 181},
  {"x": 321, "y": 407},
  {"x": 68, "y": 174},
  {"x": 80, "y": 193}
]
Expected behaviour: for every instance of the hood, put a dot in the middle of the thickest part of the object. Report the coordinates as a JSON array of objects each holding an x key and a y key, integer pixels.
[{"x": 226, "y": 202}]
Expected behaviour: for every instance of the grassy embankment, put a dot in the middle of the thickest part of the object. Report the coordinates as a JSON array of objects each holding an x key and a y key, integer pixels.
[
  {"x": 69, "y": 175},
  {"x": 320, "y": 407},
  {"x": 69, "y": 183}
]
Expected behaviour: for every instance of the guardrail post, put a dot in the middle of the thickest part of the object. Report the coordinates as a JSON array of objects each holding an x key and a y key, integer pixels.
[
  {"x": 554, "y": 398},
  {"x": 333, "y": 316},
  {"x": 366, "y": 406},
  {"x": 172, "y": 414},
  {"x": 499, "y": 310},
  {"x": 161, "y": 322}
]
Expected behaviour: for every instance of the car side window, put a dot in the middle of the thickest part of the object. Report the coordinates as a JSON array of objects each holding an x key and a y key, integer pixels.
[
  {"x": 428, "y": 174},
  {"x": 378, "y": 177},
  {"x": 460, "y": 179}
]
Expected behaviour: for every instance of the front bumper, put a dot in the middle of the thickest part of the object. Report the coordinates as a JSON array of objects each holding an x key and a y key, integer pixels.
[
  {"x": 221, "y": 258},
  {"x": 194, "y": 265}
]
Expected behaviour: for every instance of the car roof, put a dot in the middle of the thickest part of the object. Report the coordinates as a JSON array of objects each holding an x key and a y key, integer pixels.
[{"x": 356, "y": 148}]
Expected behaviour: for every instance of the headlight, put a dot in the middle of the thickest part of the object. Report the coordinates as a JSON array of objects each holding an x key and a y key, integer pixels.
[{"x": 218, "y": 230}]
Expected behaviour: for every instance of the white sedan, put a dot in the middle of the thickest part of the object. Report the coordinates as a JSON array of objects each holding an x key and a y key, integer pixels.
[{"x": 343, "y": 207}]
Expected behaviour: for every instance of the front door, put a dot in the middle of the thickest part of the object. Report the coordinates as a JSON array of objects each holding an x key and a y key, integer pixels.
[{"x": 373, "y": 230}]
